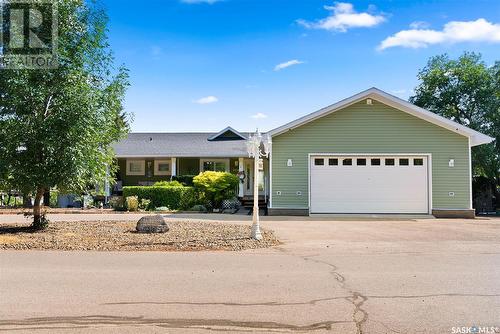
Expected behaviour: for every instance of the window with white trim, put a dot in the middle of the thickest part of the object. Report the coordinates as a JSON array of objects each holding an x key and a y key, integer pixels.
[
  {"x": 162, "y": 167},
  {"x": 136, "y": 167},
  {"x": 319, "y": 162},
  {"x": 214, "y": 165},
  {"x": 418, "y": 162}
]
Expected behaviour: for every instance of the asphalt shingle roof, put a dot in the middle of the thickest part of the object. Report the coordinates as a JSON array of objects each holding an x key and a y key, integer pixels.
[{"x": 185, "y": 144}]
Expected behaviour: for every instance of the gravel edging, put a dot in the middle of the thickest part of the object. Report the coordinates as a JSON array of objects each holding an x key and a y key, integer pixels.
[{"x": 121, "y": 236}]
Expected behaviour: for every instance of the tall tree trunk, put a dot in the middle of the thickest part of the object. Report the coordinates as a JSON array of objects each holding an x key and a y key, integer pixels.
[{"x": 37, "y": 209}]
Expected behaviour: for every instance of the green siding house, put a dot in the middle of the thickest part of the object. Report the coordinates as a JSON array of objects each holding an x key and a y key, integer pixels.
[{"x": 371, "y": 153}]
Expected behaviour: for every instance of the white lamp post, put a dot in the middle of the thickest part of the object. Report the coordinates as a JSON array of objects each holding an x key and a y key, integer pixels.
[{"x": 254, "y": 144}]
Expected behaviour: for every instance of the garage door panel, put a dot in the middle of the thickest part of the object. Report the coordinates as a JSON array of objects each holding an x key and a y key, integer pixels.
[{"x": 369, "y": 189}]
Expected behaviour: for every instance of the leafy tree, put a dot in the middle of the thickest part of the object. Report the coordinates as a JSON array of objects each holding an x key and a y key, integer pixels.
[
  {"x": 57, "y": 125},
  {"x": 217, "y": 186},
  {"x": 466, "y": 91}
]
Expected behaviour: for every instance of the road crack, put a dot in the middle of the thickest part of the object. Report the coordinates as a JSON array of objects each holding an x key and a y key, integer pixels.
[{"x": 356, "y": 298}]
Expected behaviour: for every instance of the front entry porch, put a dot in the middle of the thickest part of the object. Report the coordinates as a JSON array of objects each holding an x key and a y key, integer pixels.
[{"x": 148, "y": 170}]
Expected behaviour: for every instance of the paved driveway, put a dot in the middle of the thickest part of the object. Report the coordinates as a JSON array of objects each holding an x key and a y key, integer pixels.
[{"x": 339, "y": 276}]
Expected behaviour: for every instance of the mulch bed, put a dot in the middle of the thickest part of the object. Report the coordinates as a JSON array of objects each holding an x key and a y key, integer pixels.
[{"x": 121, "y": 236}]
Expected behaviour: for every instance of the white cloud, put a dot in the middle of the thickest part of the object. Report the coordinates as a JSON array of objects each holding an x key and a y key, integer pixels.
[
  {"x": 420, "y": 25},
  {"x": 453, "y": 32},
  {"x": 286, "y": 64},
  {"x": 259, "y": 115},
  {"x": 343, "y": 17},
  {"x": 207, "y": 100},
  {"x": 194, "y": 2}
]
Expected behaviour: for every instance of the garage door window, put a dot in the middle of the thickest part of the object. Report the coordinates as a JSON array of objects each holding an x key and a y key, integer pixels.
[
  {"x": 333, "y": 162},
  {"x": 389, "y": 162},
  {"x": 319, "y": 162},
  {"x": 418, "y": 162},
  {"x": 361, "y": 162},
  {"x": 347, "y": 162},
  {"x": 404, "y": 162},
  {"x": 375, "y": 162}
]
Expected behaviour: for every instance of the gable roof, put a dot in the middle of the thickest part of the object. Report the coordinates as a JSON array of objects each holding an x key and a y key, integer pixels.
[
  {"x": 185, "y": 144},
  {"x": 476, "y": 138},
  {"x": 227, "y": 134}
]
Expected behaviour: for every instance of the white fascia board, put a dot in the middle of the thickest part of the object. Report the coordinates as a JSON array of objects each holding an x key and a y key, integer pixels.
[{"x": 476, "y": 138}]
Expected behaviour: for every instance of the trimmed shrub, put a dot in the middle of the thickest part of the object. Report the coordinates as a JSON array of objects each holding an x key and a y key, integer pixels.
[
  {"x": 117, "y": 203},
  {"x": 145, "y": 204},
  {"x": 132, "y": 203},
  {"x": 174, "y": 198},
  {"x": 198, "y": 208},
  {"x": 216, "y": 186},
  {"x": 168, "y": 184},
  {"x": 186, "y": 180}
]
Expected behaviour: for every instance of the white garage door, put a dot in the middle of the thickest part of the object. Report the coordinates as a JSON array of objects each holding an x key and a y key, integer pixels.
[{"x": 369, "y": 184}]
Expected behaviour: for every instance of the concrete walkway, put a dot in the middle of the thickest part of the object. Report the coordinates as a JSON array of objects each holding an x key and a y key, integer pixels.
[{"x": 337, "y": 276}]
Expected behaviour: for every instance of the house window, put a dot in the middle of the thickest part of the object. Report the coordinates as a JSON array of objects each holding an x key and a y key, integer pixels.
[
  {"x": 319, "y": 162},
  {"x": 389, "y": 162},
  {"x": 333, "y": 162},
  {"x": 404, "y": 162},
  {"x": 361, "y": 162},
  {"x": 162, "y": 167},
  {"x": 136, "y": 167},
  {"x": 375, "y": 162},
  {"x": 418, "y": 162},
  {"x": 347, "y": 162},
  {"x": 215, "y": 165}
]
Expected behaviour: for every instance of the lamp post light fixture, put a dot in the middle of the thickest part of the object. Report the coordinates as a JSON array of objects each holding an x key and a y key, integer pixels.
[{"x": 257, "y": 147}]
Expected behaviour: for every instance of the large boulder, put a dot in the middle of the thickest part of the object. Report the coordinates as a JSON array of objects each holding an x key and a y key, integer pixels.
[{"x": 152, "y": 224}]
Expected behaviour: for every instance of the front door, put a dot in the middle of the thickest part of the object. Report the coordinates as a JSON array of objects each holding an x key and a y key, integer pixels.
[
  {"x": 248, "y": 184},
  {"x": 249, "y": 179}
]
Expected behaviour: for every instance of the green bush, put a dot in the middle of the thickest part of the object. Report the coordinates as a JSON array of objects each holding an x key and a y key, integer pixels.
[
  {"x": 198, "y": 208},
  {"x": 132, "y": 203},
  {"x": 117, "y": 203},
  {"x": 145, "y": 204},
  {"x": 174, "y": 198},
  {"x": 216, "y": 186},
  {"x": 168, "y": 184},
  {"x": 186, "y": 180},
  {"x": 54, "y": 194}
]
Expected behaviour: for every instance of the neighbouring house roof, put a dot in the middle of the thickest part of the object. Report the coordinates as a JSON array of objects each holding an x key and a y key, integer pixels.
[
  {"x": 476, "y": 138},
  {"x": 186, "y": 144}
]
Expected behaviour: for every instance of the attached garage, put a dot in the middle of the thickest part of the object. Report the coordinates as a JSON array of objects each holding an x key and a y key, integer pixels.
[
  {"x": 372, "y": 153},
  {"x": 369, "y": 184}
]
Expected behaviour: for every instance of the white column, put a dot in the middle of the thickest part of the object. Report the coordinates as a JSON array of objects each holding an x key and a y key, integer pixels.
[
  {"x": 256, "y": 234},
  {"x": 174, "y": 166},
  {"x": 241, "y": 185}
]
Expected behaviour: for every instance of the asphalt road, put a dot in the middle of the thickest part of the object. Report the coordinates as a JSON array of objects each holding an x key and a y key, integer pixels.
[{"x": 343, "y": 276}]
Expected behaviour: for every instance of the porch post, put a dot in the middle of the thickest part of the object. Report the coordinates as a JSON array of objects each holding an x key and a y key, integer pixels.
[
  {"x": 241, "y": 168},
  {"x": 174, "y": 166}
]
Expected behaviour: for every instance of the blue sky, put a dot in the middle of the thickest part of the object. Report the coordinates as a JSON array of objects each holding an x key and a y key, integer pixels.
[{"x": 200, "y": 65}]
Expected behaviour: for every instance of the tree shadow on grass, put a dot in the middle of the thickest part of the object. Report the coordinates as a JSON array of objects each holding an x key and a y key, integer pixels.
[{"x": 18, "y": 229}]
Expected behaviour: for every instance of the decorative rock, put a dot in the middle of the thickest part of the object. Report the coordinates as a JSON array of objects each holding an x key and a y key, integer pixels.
[{"x": 152, "y": 224}]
